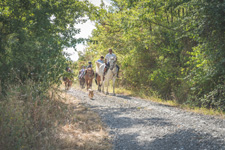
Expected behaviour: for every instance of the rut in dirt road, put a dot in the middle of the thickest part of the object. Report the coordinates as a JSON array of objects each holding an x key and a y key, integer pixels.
[{"x": 137, "y": 124}]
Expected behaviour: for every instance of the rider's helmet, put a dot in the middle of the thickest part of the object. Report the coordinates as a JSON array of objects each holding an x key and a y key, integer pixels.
[{"x": 89, "y": 62}]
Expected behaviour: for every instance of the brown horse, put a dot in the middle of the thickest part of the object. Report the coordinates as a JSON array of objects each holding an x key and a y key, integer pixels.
[
  {"x": 82, "y": 82},
  {"x": 98, "y": 82},
  {"x": 81, "y": 79},
  {"x": 89, "y": 75},
  {"x": 68, "y": 83}
]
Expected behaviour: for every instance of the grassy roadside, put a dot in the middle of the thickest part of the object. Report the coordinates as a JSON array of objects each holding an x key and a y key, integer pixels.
[
  {"x": 142, "y": 94},
  {"x": 84, "y": 129},
  {"x": 186, "y": 107},
  {"x": 56, "y": 121}
]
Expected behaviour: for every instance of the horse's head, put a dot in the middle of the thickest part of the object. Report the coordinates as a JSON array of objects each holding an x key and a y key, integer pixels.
[{"x": 112, "y": 63}]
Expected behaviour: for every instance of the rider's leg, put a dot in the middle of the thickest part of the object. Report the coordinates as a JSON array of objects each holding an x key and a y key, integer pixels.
[
  {"x": 118, "y": 71},
  {"x": 106, "y": 68}
]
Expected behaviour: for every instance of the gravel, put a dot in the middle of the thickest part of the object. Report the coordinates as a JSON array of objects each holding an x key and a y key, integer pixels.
[{"x": 138, "y": 124}]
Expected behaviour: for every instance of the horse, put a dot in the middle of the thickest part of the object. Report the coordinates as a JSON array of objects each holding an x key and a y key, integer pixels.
[
  {"x": 100, "y": 74},
  {"x": 89, "y": 75},
  {"x": 81, "y": 79},
  {"x": 82, "y": 82},
  {"x": 111, "y": 74},
  {"x": 67, "y": 82}
]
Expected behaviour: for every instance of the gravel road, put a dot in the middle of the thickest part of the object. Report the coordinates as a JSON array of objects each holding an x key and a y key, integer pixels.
[{"x": 137, "y": 124}]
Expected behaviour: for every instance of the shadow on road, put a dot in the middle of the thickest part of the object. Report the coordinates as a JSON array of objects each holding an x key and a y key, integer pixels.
[{"x": 180, "y": 140}]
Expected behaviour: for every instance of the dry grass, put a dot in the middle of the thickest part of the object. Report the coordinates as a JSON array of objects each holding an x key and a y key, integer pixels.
[
  {"x": 83, "y": 130},
  {"x": 52, "y": 121},
  {"x": 189, "y": 108}
]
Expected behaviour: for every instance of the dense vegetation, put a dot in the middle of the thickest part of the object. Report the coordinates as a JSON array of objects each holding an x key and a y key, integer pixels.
[
  {"x": 173, "y": 49},
  {"x": 33, "y": 34}
]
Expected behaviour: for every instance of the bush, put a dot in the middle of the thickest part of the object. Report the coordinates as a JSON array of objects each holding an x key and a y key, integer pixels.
[{"x": 24, "y": 119}]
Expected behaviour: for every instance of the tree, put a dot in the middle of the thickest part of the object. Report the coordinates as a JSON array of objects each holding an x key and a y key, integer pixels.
[{"x": 33, "y": 35}]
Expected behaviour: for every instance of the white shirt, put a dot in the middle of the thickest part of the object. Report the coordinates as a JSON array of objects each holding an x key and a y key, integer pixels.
[{"x": 108, "y": 56}]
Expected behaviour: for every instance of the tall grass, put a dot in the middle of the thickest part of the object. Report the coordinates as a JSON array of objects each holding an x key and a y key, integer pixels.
[
  {"x": 23, "y": 119},
  {"x": 30, "y": 120}
]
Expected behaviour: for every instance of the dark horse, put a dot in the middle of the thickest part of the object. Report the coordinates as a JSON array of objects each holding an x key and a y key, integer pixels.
[
  {"x": 81, "y": 79},
  {"x": 89, "y": 75},
  {"x": 67, "y": 82},
  {"x": 68, "y": 78}
]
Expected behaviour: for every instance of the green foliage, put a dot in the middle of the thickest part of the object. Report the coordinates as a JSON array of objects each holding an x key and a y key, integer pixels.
[
  {"x": 33, "y": 35},
  {"x": 175, "y": 48}
]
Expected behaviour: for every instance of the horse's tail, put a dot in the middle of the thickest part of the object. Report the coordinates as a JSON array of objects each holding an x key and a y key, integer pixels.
[{"x": 98, "y": 64}]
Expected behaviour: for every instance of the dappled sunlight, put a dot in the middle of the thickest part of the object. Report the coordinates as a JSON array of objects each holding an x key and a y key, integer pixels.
[
  {"x": 80, "y": 128},
  {"x": 72, "y": 135}
]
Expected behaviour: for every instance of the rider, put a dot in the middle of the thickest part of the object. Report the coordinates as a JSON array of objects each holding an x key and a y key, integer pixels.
[
  {"x": 89, "y": 65},
  {"x": 67, "y": 70},
  {"x": 107, "y": 58},
  {"x": 101, "y": 60},
  {"x": 81, "y": 72}
]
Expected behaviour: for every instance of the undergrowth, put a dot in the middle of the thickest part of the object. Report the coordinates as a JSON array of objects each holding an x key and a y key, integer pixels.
[{"x": 54, "y": 120}]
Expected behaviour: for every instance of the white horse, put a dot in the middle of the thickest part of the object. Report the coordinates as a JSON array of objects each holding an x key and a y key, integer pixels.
[{"x": 111, "y": 74}]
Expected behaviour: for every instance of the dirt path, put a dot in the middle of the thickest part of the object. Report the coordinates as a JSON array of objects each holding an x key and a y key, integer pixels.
[{"x": 137, "y": 124}]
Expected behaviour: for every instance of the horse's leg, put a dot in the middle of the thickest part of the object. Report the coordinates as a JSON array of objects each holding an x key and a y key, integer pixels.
[
  {"x": 107, "y": 87},
  {"x": 87, "y": 84},
  {"x": 91, "y": 83},
  {"x": 103, "y": 84},
  {"x": 99, "y": 87},
  {"x": 114, "y": 80},
  {"x": 70, "y": 84},
  {"x": 83, "y": 85},
  {"x": 98, "y": 82}
]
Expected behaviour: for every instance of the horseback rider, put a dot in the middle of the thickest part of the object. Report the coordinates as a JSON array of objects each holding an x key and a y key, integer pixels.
[
  {"x": 89, "y": 65},
  {"x": 68, "y": 69},
  {"x": 107, "y": 58},
  {"x": 81, "y": 72},
  {"x": 101, "y": 60}
]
